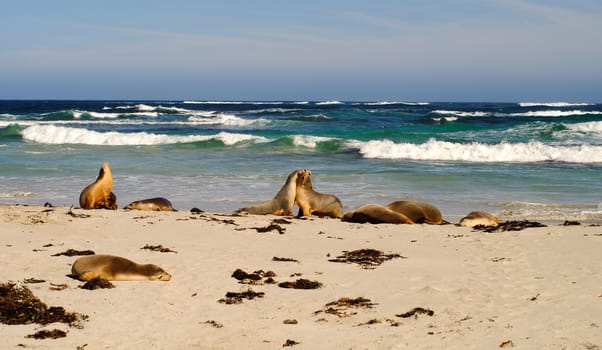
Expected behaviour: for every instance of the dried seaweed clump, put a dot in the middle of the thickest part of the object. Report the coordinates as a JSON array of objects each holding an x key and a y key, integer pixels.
[
  {"x": 417, "y": 311},
  {"x": 301, "y": 283},
  {"x": 73, "y": 252},
  {"x": 45, "y": 334},
  {"x": 509, "y": 226},
  {"x": 159, "y": 248},
  {"x": 345, "y": 307},
  {"x": 237, "y": 297},
  {"x": 18, "y": 305},
  {"x": 255, "y": 277},
  {"x": 97, "y": 283},
  {"x": 366, "y": 258}
]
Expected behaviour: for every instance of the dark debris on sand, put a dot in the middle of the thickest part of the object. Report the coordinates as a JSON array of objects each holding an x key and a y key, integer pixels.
[
  {"x": 73, "y": 252},
  {"x": 290, "y": 342},
  {"x": 270, "y": 227},
  {"x": 366, "y": 258},
  {"x": 237, "y": 297},
  {"x": 159, "y": 248},
  {"x": 255, "y": 277},
  {"x": 416, "y": 311},
  {"x": 508, "y": 226},
  {"x": 18, "y": 305},
  {"x": 301, "y": 283},
  {"x": 74, "y": 215},
  {"x": 45, "y": 334},
  {"x": 97, "y": 283},
  {"x": 344, "y": 307},
  {"x": 284, "y": 259}
]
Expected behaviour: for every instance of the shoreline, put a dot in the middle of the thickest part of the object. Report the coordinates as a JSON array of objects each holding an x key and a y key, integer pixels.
[{"x": 535, "y": 288}]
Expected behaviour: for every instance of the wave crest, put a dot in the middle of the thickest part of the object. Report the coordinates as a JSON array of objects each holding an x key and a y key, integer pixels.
[
  {"x": 480, "y": 152},
  {"x": 51, "y": 134}
]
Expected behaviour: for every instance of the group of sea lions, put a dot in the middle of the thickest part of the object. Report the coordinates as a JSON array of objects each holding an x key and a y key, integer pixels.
[
  {"x": 297, "y": 189},
  {"x": 99, "y": 195}
]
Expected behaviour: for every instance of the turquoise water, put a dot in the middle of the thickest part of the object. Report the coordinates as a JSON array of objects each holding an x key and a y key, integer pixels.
[{"x": 519, "y": 160}]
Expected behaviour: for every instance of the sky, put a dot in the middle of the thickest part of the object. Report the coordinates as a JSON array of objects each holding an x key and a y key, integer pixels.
[{"x": 351, "y": 50}]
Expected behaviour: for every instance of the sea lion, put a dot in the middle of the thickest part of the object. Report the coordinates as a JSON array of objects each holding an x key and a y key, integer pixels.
[
  {"x": 311, "y": 202},
  {"x": 115, "y": 268},
  {"x": 99, "y": 195},
  {"x": 152, "y": 204},
  {"x": 475, "y": 218},
  {"x": 281, "y": 204},
  {"x": 418, "y": 212},
  {"x": 376, "y": 214}
]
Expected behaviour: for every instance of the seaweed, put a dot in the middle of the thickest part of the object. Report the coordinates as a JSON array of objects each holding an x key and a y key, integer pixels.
[
  {"x": 301, "y": 283},
  {"x": 237, "y": 297},
  {"x": 366, "y": 258},
  {"x": 45, "y": 334},
  {"x": 159, "y": 248},
  {"x": 18, "y": 305},
  {"x": 97, "y": 283},
  {"x": 284, "y": 259},
  {"x": 341, "y": 307},
  {"x": 416, "y": 311},
  {"x": 73, "y": 252},
  {"x": 508, "y": 226}
]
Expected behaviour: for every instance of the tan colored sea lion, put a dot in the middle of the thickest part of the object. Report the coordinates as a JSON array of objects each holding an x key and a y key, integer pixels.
[
  {"x": 475, "y": 218},
  {"x": 418, "y": 212},
  {"x": 115, "y": 268},
  {"x": 153, "y": 204},
  {"x": 99, "y": 195},
  {"x": 376, "y": 214},
  {"x": 311, "y": 202},
  {"x": 281, "y": 204}
]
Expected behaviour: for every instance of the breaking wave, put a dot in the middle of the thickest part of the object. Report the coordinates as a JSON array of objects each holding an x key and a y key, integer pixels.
[
  {"x": 481, "y": 152},
  {"x": 52, "y": 134}
]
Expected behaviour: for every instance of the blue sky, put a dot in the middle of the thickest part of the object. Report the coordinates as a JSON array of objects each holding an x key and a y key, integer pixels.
[{"x": 416, "y": 50}]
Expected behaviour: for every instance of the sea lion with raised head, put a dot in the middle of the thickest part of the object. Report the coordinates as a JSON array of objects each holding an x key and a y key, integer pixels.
[
  {"x": 311, "y": 202},
  {"x": 418, "y": 212},
  {"x": 115, "y": 268},
  {"x": 152, "y": 204},
  {"x": 376, "y": 214},
  {"x": 475, "y": 218},
  {"x": 99, "y": 195},
  {"x": 281, "y": 204}
]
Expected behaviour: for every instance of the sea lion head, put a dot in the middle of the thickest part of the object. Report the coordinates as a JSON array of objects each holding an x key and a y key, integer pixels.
[
  {"x": 304, "y": 177},
  {"x": 155, "y": 273}
]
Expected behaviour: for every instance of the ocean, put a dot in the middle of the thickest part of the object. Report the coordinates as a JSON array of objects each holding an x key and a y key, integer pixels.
[{"x": 538, "y": 161}]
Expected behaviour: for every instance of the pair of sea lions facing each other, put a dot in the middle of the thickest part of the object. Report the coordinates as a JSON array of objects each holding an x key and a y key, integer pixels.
[
  {"x": 99, "y": 195},
  {"x": 399, "y": 212},
  {"x": 115, "y": 268},
  {"x": 298, "y": 189}
]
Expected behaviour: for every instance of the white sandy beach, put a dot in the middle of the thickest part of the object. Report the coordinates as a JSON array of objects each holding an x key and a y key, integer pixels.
[{"x": 539, "y": 288}]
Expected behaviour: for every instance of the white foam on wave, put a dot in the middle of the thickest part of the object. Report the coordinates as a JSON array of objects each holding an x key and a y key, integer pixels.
[
  {"x": 462, "y": 113},
  {"x": 52, "y": 134},
  {"x": 447, "y": 119},
  {"x": 326, "y": 103},
  {"x": 480, "y": 152},
  {"x": 387, "y": 103},
  {"x": 77, "y": 114},
  {"x": 552, "y": 104},
  {"x": 226, "y": 120},
  {"x": 553, "y": 113},
  {"x": 309, "y": 141},
  {"x": 17, "y": 194},
  {"x": 551, "y": 211},
  {"x": 587, "y": 127}
]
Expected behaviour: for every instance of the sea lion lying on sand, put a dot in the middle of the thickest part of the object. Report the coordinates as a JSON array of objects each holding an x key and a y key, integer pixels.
[
  {"x": 376, "y": 214},
  {"x": 99, "y": 195},
  {"x": 418, "y": 212},
  {"x": 475, "y": 218},
  {"x": 115, "y": 268},
  {"x": 281, "y": 204},
  {"x": 153, "y": 204},
  {"x": 311, "y": 202}
]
